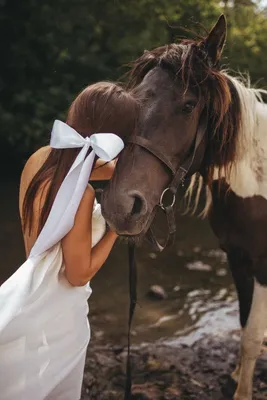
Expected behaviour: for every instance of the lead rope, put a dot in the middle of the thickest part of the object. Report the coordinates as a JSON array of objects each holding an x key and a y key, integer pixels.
[
  {"x": 133, "y": 299},
  {"x": 132, "y": 304}
]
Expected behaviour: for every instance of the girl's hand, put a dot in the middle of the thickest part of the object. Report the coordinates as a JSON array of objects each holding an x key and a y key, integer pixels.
[{"x": 113, "y": 233}]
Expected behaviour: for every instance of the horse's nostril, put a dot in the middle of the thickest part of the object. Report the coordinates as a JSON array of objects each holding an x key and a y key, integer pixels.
[{"x": 138, "y": 205}]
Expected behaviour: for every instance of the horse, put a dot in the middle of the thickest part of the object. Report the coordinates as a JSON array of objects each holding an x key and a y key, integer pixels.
[{"x": 196, "y": 121}]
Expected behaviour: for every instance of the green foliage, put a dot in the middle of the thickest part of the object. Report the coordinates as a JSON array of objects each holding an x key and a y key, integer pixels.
[{"x": 52, "y": 49}]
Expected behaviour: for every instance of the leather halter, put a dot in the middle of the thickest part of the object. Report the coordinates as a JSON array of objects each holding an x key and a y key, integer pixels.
[{"x": 178, "y": 177}]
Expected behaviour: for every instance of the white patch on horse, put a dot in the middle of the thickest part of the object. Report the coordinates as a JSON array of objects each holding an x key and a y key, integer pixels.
[
  {"x": 248, "y": 175},
  {"x": 251, "y": 342}
]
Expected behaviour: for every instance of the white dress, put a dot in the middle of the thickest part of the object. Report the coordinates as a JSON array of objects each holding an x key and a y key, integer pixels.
[
  {"x": 44, "y": 331},
  {"x": 43, "y": 348}
]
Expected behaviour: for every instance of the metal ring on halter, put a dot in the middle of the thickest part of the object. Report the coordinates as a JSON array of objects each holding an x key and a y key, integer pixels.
[{"x": 162, "y": 196}]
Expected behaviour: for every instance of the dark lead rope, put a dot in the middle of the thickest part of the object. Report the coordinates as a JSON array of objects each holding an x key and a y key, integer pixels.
[{"x": 133, "y": 299}]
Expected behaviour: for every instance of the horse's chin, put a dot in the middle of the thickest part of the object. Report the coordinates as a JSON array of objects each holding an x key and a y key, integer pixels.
[
  {"x": 139, "y": 238},
  {"x": 134, "y": 239}
]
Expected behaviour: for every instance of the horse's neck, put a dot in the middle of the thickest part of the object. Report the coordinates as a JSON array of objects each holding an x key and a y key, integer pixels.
[{"x": 248, "y": 176}]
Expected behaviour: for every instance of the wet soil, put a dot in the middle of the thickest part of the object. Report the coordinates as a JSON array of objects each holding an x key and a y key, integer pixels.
[{"x": 163, "y": 372}]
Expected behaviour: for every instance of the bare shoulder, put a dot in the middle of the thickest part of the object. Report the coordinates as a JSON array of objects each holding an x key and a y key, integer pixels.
[
  {"x": 89, "y": 191},
  {"x": 31, "y": 167},
  {"x": 85, "y": 209},
  {"x": 88, "y": 197},
  {"x": 36, "y": 160},
  {"x": 82, "y": 223}
]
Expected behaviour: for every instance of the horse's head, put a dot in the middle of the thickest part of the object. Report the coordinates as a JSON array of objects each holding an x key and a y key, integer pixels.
[{"x": 180, "y": 90}]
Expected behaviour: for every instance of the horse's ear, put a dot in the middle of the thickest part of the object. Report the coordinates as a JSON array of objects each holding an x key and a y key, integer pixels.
[{"x": 215, "y": 41}]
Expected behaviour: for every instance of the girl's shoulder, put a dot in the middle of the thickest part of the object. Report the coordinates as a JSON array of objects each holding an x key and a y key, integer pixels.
[
  {"x": 35, "y": 161},
  {"x": 87, "y": 204}
]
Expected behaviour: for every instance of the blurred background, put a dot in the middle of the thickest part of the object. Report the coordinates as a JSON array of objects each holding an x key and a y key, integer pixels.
[{"x": 49, "y": 51}]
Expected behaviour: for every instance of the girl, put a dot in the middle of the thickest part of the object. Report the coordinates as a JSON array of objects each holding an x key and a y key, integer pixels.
[{"x": 44, "y": 330}]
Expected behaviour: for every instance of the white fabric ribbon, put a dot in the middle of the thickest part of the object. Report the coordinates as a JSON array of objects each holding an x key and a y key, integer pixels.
[{"x": 61, "y": 218}]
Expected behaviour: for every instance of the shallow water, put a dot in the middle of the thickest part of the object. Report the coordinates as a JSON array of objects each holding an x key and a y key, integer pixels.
[{"x": 200, "y": 295}]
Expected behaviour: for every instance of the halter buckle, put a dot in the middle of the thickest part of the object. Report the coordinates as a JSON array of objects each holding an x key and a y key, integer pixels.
[{"x": 162, "y": 198}]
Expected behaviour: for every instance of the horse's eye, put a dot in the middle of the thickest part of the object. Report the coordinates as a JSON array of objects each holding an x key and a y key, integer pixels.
[{"x": 188, "y": 107}]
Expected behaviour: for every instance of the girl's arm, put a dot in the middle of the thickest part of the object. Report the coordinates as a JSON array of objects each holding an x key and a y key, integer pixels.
[{"x": 81, "y": 261}]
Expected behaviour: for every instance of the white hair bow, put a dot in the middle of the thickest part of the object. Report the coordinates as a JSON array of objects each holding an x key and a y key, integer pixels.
[
  {"x": 105, "y": 145},
  {"x": 61, "y": 218}
]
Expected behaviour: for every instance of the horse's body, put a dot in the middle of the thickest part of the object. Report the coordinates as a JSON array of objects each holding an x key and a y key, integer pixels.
[{"x": 179, "y": 87}]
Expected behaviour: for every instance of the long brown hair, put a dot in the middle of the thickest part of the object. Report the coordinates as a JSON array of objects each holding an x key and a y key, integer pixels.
[{"x": 101, "y": 107}]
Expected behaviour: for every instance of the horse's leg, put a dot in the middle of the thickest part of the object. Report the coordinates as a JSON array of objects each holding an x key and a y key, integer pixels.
[
  {"x": 252, "y": 335},
  {"x": 244, "y": 282}
]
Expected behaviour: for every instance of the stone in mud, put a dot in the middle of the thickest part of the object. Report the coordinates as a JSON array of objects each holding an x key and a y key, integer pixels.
[
  {"x": 221, "y": 272},
  {"x": 145, "y": 391},
  {"x": 217, "y": 253},
  {"x": 172, "y": 393},
  {"x": 198, "y": 266},
  {"x": 153, "y": 256},
  {"x": 111, "y": 395},
  {"x": 197, "y": 249},
  {"x": 157, "y": 292},
  {"x": 154, "y": 364}
]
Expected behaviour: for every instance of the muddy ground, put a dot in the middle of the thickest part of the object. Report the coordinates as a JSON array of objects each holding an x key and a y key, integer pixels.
[{"x": 161, "y": 372}]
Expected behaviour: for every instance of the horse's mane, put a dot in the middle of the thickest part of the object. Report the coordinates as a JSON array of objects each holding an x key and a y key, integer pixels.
[
  {"x": 229, "y": 102},
  {"x": 246, "y": 138}
]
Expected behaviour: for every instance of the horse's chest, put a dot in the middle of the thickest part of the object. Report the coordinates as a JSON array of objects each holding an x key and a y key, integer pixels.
[{"x": 239, "y": 222}]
